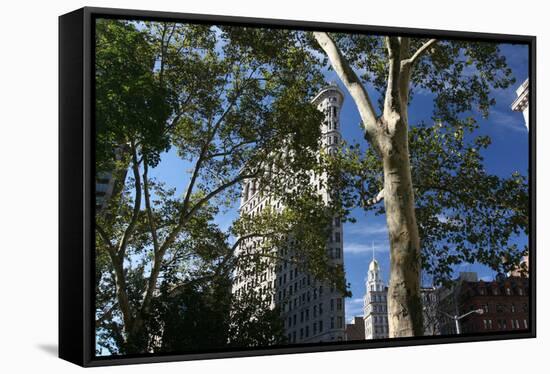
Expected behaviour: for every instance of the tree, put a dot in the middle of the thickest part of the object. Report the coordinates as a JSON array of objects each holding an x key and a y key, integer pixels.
[
  {"x": 461, "y": 75},
  {"x": 235, "y": 96}
]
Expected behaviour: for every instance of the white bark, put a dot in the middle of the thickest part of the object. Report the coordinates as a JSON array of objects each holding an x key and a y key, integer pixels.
[
  {"x": 349, "y": 78},
  {"x": 389, "y": 135}
]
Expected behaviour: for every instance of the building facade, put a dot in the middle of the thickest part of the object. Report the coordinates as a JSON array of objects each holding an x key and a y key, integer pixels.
[
  {"x": 375, "y": 304},
  {"x": 312, "y": 310},
  {"x": 104, "y": 185},
  {"x": 521, "y": 103},
  {"x": 504, "y": 301}
]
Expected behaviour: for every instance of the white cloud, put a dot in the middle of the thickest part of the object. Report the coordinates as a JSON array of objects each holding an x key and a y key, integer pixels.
[
  {"x": 354, "y": 309},
  {"x": 508, "y": 120},
  {"x": 358, "y": 248},
  {"x": 367, "y": 230}
]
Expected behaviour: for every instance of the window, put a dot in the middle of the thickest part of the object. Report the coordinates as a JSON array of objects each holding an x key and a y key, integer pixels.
[
  {"x": 332, "y": 305},
  {"x": 331, "y": 322},
  {"x": 337, "y": 237},
  {"x": 339, "y": 322},
  {"x": 339, "y": 304},
  {"x": 320, "y": 326},
  {"x": 307, "y": 331}
]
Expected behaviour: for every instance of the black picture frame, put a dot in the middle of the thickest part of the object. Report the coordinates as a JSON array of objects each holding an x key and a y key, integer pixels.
[{"x": 76, "y": 185}]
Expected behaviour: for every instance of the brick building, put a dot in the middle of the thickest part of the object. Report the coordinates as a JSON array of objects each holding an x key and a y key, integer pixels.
[
  {"x": 356, "y": 329},
  {"x": 504, "y": 301}
]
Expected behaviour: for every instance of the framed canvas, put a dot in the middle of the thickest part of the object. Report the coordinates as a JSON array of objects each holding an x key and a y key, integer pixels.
[{"x": 236, "y": 186}]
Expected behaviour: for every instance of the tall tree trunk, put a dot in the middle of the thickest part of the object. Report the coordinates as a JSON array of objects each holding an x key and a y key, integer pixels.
[
  {"x": 404, "y": 302},
  {"x": 388, "y": 134}
]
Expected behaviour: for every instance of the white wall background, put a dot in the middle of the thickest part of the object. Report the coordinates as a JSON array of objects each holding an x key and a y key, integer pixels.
[{"x": 28, "y": 188}]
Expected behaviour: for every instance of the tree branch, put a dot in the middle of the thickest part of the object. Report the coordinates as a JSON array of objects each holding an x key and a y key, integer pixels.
[
  {"x": 231, "y": 150},
  {"x": 374, "y": 200},
  {"x": 148, "y": 208},
  {"x": 420, "y": 51},
  {"x": 107, "y": 314},
  {"x": 105, "y": 238},
  {"x": 392, "y": 99},
  {"x": 137, "y": 205},
  {"x": 348, "y": 77}
]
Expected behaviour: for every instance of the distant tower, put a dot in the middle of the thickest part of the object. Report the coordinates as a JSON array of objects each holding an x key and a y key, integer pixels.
[
  {"x": 375, "y": 312},
  {"x": 521, "y": 103}
]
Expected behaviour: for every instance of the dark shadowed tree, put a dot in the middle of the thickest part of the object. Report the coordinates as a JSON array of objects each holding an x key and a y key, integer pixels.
[{"x": 226, "y": 101}]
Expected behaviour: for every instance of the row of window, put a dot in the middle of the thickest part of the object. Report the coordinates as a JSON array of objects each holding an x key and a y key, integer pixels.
[
  {"x": 502, "y": 308},
  {"x": 376, "y": 308},
  {"x": 316, "y": 328},
  {"x": 501, "y": 324},
  {"x": 496, "y": 291},
  {"x": 334, "y": 253},
  {"x": 379, "y": 331},
  {"x": 376, "y": 298},
  {"x": 333, "y": 139},
  {"x": 335, "y": 237},
  {"x": 378, "y": 320}
]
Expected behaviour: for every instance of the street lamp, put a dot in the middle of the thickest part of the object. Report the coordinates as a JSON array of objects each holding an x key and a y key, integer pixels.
[{"x": 457, "y": 318}]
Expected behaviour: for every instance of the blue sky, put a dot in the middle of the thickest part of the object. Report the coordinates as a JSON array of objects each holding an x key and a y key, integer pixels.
[{"x": 508, "y": 153}]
